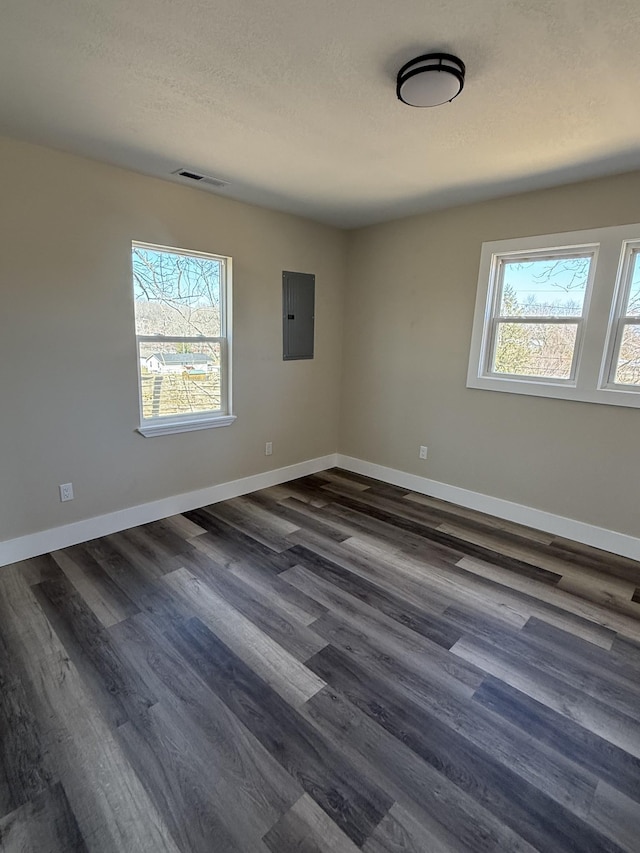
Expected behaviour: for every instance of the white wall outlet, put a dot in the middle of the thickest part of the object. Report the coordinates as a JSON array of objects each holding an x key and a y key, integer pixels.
[
  {"x": 66, "y": 491},
  {"x": 268, "y": 448},
  {"x": 423, "y": 451}
]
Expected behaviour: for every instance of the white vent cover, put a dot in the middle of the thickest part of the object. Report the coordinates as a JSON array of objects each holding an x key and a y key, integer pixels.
[{"x": 196, "y": 177}]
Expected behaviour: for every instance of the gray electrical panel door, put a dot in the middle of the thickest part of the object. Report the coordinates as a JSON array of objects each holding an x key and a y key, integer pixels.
[{"x": 298, "y": 310}]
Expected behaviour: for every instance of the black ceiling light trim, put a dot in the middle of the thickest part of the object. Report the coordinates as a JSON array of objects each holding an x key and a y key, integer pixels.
[{"x": 420, "y": 83}]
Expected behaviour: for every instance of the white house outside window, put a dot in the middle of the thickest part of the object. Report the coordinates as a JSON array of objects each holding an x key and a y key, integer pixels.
[{"x": 182, "y": 330}]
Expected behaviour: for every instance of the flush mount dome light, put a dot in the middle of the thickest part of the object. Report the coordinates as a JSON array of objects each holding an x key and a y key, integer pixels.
[{"x": 430, "y": 80}]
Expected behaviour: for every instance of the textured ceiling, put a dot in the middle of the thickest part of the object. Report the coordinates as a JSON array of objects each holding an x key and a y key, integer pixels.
[{"x": 294, "y": 101}]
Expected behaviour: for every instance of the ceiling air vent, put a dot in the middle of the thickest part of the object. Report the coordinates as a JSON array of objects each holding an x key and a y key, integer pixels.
[{"x": 196, "y": 177}]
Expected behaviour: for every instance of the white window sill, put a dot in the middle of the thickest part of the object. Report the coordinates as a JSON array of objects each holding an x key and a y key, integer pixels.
[
  {"x": 540, "y": 388},
  {"x": 151, "y": 429}
]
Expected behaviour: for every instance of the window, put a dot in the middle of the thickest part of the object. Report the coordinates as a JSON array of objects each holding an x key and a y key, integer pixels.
[
  {"x": 539, "y": 314},
  {"x": 182, "y": 331},
  {"x": 624, "y": 361},
  {"x": 553, "y": 317}
]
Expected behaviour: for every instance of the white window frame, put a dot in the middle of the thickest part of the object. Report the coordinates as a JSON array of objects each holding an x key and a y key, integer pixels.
[
  {"x": 495, "y": 318},
  {"x": 620, "y": 319},
  {"x": 599, "y": 329},
  {"x": 168, "y": 424}
]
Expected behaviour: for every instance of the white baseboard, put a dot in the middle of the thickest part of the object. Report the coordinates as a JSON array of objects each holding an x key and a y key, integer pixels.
[
  {"x": 12, "y": 550},
  {"x": 569, "y": 528}
]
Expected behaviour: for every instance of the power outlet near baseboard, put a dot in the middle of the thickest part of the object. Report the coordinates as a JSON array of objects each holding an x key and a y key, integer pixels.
[{"x": 66, "y": 491}]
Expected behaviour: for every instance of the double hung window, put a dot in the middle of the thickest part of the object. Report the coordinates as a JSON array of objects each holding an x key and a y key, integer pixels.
[
  {"x": 559, "y": 316},
  {"x": 182, "y": 331}
]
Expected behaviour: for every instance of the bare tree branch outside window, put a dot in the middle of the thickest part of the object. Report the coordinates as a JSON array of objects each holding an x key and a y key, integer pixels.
[{"x": 178, "y": 296}]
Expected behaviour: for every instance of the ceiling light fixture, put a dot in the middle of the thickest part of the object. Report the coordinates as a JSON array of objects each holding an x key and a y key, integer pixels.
[{"x": 430, "y": 80}]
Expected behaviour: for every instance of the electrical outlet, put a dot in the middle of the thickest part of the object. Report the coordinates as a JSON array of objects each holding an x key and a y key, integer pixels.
[
  {"x": 268, "y": 448},
  {"x": 423, "y": 452},
  {"x": 66, "y": 491}
]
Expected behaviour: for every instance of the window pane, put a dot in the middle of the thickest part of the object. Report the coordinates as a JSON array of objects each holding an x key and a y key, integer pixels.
[
  {"x": 633, "y": 303},
  {"x": 550, "y": 287},
  {"x": 175, "y": 294},
  {"x": 628, "y": 367},
  {"x": 179, "y": 379},
  {"x": 535, "y": 349}
]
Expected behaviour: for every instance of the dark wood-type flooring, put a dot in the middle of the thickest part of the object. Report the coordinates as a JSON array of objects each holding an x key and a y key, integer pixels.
[{"x": 325, "y": 666}]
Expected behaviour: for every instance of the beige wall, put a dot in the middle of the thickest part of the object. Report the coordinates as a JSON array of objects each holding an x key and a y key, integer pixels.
[
  {"x": 68, "y": 403},
  {"x": 68, "y": 393},
  {"x": 409, "y": 309}
]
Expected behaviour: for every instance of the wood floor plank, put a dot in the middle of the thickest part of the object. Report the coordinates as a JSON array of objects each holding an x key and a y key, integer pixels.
[
  {"x": 101, "y": 594},
  {"x": 568, "y": 643},
  {"x": 272, "y": 588},
  {"x": 537, "y": 558},
  {"x": 25, "y": 768},
  {"x": 373, "y": 568},
  {"x": 337, "y": 477},
  {"x": 599, "y": 591},
  {"x": 430, "y": 626},
  {"x": 332, "y": 664},
  {"x": 241, "y": 759},
  {"x": 591, "y": 713},
  {"x": 365, "y": 641},
  {"x": 451, "y": 511},
  {"x": 20, "y": 613},
  {"x": 422, "y": 532},
  {"x": 428, "y": 580},
  {"x": 429, "y": 586},
  {"x": 299, "y": 489},
  {"x": 531, "y": 813},
  {"x": 401, "y": 832},
  {"x": 115, "y": 687},
  {"x": 352, "y": 801},
  {"x": 501, "y": 602},
  {"x": 305, "y": 828},
  {"x": 582, "y": 675},
  {"x": 183, "y": 527},
  {"x": 105, "y": 795},
  {"x": 569, "y": 624},
  {"x": 142, "y": 588},
  {"x": 299, "y": 514},
  {"x": 180, "y": 771},
  {"x": 626, "y": 623},
  {"x": 601, "y": 561},
  {"x": 144, "y": 552},
  {"x": 291, "y": 679},
  {"x": 625, "y": 655},
  {"x": 45, "y": 824},
  {"x": 383, "y": 531},
  {"x": 165, "y": 540},
  {"x": 414, "y": 783},
  {"x": 617, "y": 815},
  {"x": 580, "y": 627},
  {"x": 263, "y": 526},
  {"x": 354, "y": 618},
  {"x": 542, "y": 767},
  {"x": 231, "y": 545},
  {"x": 402, "y": 515},
  {"x": 596, "y": 754},
  {"x": 36, "y": 569},
  {"x": 267, "y": 615}
]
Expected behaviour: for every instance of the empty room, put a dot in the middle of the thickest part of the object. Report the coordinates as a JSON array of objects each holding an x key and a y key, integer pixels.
[{"x": 319, "y": 426}]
